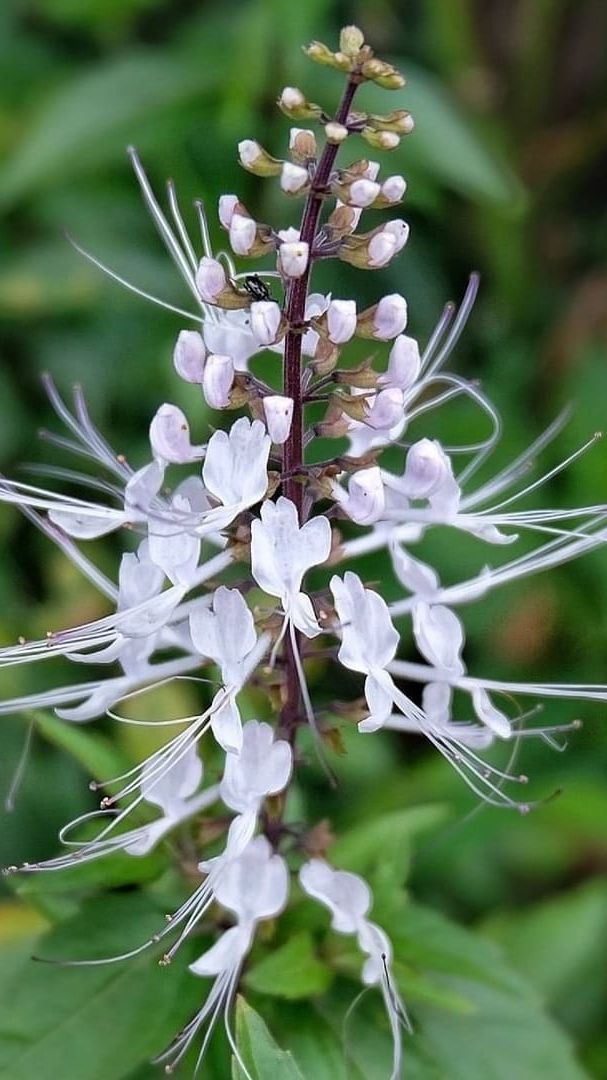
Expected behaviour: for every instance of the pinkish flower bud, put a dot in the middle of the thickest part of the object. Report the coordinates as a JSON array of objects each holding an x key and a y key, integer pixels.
[
  {"x": 227, "y": 205},
  {"x": 265, "y": 321},
  {"x": 426, "y": 468},
  {"x": 218, "y": 380},
  {"x": 278, "y": 411},
  {"x": 291, "y": 98},
  {"x": 210, "y": 279},
  {"x": 404, "y": 363},
  {"x": 386, "y": 409},
  {"x": 293, "y": 258},
  {"x": 386, "y": 244},
  {"x": 393, "y": 188},
  {"x": 363, "y": 193},
  {"x": 189, "y": 356},
  {"x": 242, "y": 234},
  {"x": 336, "y": 133},
  {"x": 249, "y": 152},
  {"x": 372, "y": 170},
  {"x": 341, "y": 320},
  {"x": 365, "y": 500},
  {"x": 390, "y": 317},
  {"x": 293, "y": 178},
  {"x": 170, "y": 436}
]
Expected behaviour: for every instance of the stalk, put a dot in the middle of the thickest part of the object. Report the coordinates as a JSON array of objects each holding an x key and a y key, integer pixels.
[{"x": 292, "y": 384}]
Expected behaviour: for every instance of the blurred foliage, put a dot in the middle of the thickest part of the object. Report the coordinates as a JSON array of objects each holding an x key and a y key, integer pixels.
[{"x": 506, "y": 175}]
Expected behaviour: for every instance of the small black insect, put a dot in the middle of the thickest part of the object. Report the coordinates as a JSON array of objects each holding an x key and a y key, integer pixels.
[{"x": 256, "y": 287}]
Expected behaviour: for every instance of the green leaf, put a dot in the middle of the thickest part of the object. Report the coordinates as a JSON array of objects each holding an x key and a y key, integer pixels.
[
  {"x": 260, "y": 1053},
  {"x": 98, "y": 756},
  {"x": 89, "y": 120},
  {"x": 90, "y": 1023},
  {"x": 560, "y": 945},
  {"x": 381, "y": 845},
  {"x": 292, "y": 971},
  {"x": 506, "y": 1032},
  {"x": 445, "y": 144}
]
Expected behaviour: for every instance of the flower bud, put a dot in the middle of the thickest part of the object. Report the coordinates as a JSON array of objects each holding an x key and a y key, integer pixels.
[
  {"x": 293, "y": 258},
  {"x": 385, "y": 409},
  {"x": 341, "y": 320},
  {"x": 382, "y": 140},
  {"x": 243, "y": 231},
  {"x": 426, "y": 468},
  {"x": 227, "y": 206},
  {"x": 351, "y": 40},
  {"x": 336, "y": 133},
  {"x": 320, "y": 54},
  {"x": 399, "y": 121},
  {"x": 383, "y": 74},
  {"x": 363, "y": 192},
  {"x": 291, "y": 98},
  {"x": 294, "y": 104},
  {"x": 302, "y": 144},
  {"x": 278, "y": 411},
  {"x": 265, "y": 321},
  {"x": 390, "y": 317},
  {"x": 404, "y": 364},
  {"x": 365, "y": 500},
  {"x": 393, "y": 189},
  {"x": 170, "y": 436},
  {"x": 211, "y": 279},
  {"x": 387, "y": 243},
  {"x": 255, "y": 159},
  {"x": 293, "y": 178},
  {"x": 218, "y": 380},
  {"x": 189, "y": 356}
]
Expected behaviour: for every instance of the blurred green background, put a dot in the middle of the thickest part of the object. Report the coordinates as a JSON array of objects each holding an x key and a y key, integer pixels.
[{"x": 506, "y": 174}]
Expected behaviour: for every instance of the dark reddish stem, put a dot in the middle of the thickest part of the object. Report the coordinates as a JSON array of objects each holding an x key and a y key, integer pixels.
[
  {"x": 296, "y": 306},
  {"x": 292, "y": 383}
]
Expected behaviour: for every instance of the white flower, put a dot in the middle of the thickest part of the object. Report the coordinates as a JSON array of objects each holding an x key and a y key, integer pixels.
[
  {"x": 390, "y": 317},
  {"x": 261, "y": 768},
  {"x": 235, "y": 469},
  {"x": 282, "y": 551},
  {"x": 341, "y": 320},
  {"x": 348, "y": 898},
  {"x": 173, "y": 544},
  {"x": 368, "y": 643},
  {"x": 293, "y": 258},
  {"x": 189, "y": 356},
  {"x": 229, "y": 334},
  {"x": 217, "y": 380},
  {"x": 439, "y": 636},
  {"x": 226, "y": 634},
  {"x": 253, "y": 886},
  {"x": 170, "y": 436},
  {"x": 265, "y": 321},
  {"x": 278, "y": 411}
]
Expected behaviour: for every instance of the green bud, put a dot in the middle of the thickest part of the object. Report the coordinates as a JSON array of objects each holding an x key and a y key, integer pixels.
[{"x": 381, "y": 140}]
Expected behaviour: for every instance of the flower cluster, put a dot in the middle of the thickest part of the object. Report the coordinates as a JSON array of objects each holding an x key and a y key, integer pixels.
[{"x": 248, "y": 502}]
